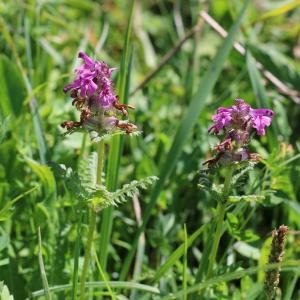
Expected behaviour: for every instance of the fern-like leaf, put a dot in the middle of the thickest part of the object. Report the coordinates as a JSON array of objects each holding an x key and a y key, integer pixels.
[
  {"x": 96, "y": 138},
  {"x": 88, "y": 171},
  {"x": 246, "y": 198},
  {"x": 242, "y": 172},
  {"x": 107, "y": 199}
]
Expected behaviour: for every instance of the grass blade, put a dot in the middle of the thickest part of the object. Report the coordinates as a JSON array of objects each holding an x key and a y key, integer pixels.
[
  {"x": 76, "y": 257},
  {"x": 42, "y": 147},
  {"x": 184, "y": 275},
  {"x": 42, "y": 269},
  {"x": 176, "y": 255},
  {"x": 287, "y": 266},
  {"x": 260, "y": 95},
  {"x": 115, "y": 147},
  {"x": 286, "y": 7},
  {"x": 190, "y": 119},
  {"x": 100, "y": 284},
  {"x": 103, "y": 277}
]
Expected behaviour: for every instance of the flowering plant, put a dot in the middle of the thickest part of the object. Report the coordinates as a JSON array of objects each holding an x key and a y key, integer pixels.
[
  {"x": 94, "y": 96},
  {"x": 238, "y": 123}
]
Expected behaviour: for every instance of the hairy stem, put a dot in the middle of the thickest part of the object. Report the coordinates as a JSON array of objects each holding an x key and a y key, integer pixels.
[
  {"x": 220, "y": 219},
  {"x": 92, "y": 225}
]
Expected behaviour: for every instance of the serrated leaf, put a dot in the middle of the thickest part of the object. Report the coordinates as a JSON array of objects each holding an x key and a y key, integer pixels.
[
  {"x": 127, "y": 191},
  {"x": 97, "y": 138},
  {"x": 246, "y": 198}
]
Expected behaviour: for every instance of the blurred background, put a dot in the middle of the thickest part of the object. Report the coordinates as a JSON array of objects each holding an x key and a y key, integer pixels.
[{"x": 171, "y": 47}]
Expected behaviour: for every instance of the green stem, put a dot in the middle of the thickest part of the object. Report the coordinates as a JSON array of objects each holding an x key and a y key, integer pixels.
[
  {"x": 221, "y": 208},
  {"x": 76, "y": 257},
  {"x": 92, "y": 226}
]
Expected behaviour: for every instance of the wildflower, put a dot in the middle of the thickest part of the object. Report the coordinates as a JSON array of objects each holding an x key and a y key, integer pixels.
[
  {"x": 237, "y": 123},
  {"x": 241, "y": 115},
  {"x": 94, "y": 96}
]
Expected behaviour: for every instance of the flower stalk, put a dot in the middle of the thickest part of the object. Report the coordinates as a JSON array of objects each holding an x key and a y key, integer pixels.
[
  {"x": 101, "y": 114},
  {"x": 92, "y": 224},
  {"x": 221, "y": 208}
]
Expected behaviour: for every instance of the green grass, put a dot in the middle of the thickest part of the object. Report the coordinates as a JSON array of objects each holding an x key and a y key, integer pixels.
[{"x": 161, "y": 243}]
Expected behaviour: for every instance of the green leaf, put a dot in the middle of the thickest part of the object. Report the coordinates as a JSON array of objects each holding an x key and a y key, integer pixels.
[
  {"x": 264, "y": 257},
  {"x": 197, "y": 104},
  {"x": 7, "y": 210},
  {"x": 283, "y": 67},
  {"x": 246, "y": 198},
  {"x": 177, "y": 254},
  {"x": 287, "y": 266},
  {"x": 281, "y": 10},
  {"x": 100, "y": 284},
  {"x": 247, "y": 250},
  {"x": 47, "y": 178},
  {"x": 42, "y": 268},
  {"x": 4, "y": 292},
  {"x": 4, "y": 127},
  {"x": 12, "y": 92},
  {"x": 116, "y": 142},
  {"x": 102, "y": 198}
]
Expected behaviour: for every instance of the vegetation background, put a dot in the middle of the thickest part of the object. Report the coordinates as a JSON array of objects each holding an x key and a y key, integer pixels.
[{"x": 39, "y": 42}]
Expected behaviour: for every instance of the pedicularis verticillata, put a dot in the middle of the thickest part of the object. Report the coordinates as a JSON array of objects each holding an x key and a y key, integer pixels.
[
  {"x": 94, "y": 96},
  {"x": 238, "y": 123},
  {"x": 235, "y": 125},
  {"x": 102, "y": 115}
]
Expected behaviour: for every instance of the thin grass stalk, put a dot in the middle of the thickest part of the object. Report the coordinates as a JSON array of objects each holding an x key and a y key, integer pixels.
[
  {"x": 115, "y": 146},
  {"x": 76, "y": 258},
  {"x": 42, "y": 268},
  {"x": 92, "y": 225},
  {"x": 100, "y": 285},
  {"x": 185, "y": 264},
  {"x": 227, "y": 277},
  {"x": 220, "y": 219},
  {"x": 103, "y": 277}
]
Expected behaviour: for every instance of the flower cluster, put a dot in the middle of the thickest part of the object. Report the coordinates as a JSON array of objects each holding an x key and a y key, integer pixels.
[
  {"x": 238, "y": 122},
  {"x": 93, "y": 95}
]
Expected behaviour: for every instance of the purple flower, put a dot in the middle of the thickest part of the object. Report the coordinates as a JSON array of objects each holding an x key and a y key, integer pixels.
[
  {"x": 237, "y": 122},
  {"x": 261, "y": 118},
  {"x": 222, "y": 119},
  {"x": 241, "y": 116},
  {"x": 94, "y": 96},
  {"x": 93, "y": 80}
]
